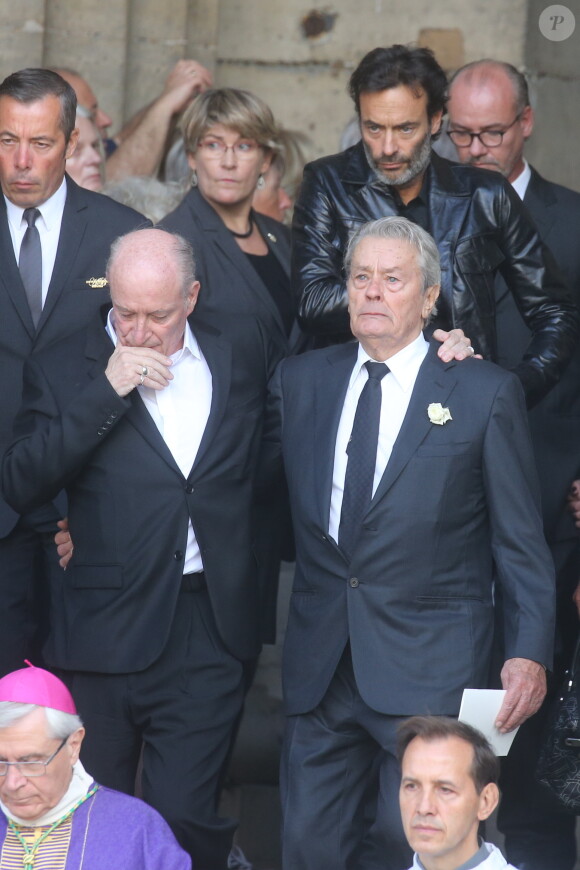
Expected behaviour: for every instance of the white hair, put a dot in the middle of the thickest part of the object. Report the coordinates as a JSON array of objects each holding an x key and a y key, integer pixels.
[
  {"x": 397, "y": 227},
  {"x": 59, "y": 725}
]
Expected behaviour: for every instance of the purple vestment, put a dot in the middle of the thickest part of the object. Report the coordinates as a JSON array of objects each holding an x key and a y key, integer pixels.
[{"x": 122, "y": 831}]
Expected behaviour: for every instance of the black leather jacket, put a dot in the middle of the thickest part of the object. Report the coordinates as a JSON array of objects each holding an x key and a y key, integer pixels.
[{"x": 480, "y": 227}]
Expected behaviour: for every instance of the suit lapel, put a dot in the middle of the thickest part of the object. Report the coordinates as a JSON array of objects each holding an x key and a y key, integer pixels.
[
  {"x": 435, "y": 383},
  {"x": 541, "y": 202},
  {"x": 10, "y": 274},
  {"x": 218, "y": 355},
  {"x": 72, "y": 231},
  {"x": 276, "y": 240},
  {"x": 373, "y": 198},
  {"x": 330, "y": 391},
  {"x": 279, "y": 243},
  {"x": 143, "y": 422}
]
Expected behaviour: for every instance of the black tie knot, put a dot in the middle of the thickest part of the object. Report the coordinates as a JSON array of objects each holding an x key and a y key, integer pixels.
[
  {"x": 31, "y": 215},
  {"x": 377, "y": 371}
]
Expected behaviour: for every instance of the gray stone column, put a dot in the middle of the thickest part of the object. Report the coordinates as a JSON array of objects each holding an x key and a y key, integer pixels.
[
  {"x": 90, "y": 36},
  {"x": 21, "y": 35},
  {"x": 156, "y": 41},
  {"x": 202, "y": 32},
  {"x": 554, "y": 75}
]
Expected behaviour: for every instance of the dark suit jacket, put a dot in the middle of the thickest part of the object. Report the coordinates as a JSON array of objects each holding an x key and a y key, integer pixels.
[
  {"x": 229, "y": 283},
  {"x": 129, "y": 503},
  {"x": 555, "y": 422},
  {"x": 90, "y": 223},
  {"x": 416, "y": 599}
]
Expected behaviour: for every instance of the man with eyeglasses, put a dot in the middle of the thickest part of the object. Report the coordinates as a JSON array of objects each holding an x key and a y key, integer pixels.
[
  {"x": 490, "y": 120},
  {"x": 52, "y": 813},
  {"x": 476, "y": 219}
]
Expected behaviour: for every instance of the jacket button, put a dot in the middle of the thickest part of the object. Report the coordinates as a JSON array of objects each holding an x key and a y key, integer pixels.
[
  {"x": 178, "y": 555},
  {"x": 353, "y": 582},
  {"x": 189, "y": 489}
]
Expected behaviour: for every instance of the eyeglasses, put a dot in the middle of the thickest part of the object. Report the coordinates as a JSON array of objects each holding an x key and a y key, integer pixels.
[
  {"x": 30, "y": 768},
  {"x": 216, "y": 149},
  {"x": 488, "y": 138}
]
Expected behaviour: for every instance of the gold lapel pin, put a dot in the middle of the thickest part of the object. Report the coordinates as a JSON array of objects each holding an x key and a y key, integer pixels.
[
  {"x": 96, "y": 283},
  {"x": 272, "y": 237}
]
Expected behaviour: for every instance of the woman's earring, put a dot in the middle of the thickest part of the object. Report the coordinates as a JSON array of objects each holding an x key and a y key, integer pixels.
[
  {"x": 261, "y": 183},
  {"x": 193, "y": 178}
]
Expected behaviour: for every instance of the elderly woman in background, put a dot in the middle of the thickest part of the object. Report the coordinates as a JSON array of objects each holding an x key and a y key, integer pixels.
[
  {"x": 243, "y": 258},
  {"x": 87, "y": 164}
]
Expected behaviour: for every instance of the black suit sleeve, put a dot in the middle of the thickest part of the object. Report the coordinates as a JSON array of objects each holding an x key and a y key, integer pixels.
[
  {"x": 52, "y": 446},
  {"x": 520, "y": 552}
]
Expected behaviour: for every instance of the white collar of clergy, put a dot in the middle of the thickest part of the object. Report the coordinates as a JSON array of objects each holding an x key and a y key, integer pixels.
[{"x": 78, "y": 787}]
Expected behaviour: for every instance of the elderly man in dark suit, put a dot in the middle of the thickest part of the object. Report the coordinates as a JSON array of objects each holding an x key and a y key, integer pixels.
[
  {"x": 410, "y": 479},
  {"x": 52, "y": 280},
  {"x": 151, "y": 422},
  {"x": 490, "y": 122}
]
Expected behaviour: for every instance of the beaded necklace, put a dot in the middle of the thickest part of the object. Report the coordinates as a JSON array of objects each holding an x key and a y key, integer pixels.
[{"x": 30, "y": 853}]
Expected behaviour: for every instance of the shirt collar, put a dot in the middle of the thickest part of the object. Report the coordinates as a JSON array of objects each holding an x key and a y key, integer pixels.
[
  {"x": 520, "y": 184},
  {"x": 480, "y": 856},
  {"x": 403, "y": 365},
  {"x": 190, "y": 345},
  {"x": 51, "y": 210}
]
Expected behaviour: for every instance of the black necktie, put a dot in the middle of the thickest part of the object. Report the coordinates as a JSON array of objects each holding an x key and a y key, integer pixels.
[
  {"x": 30, "y": 264},
  {"x": 362, "y": 458}
]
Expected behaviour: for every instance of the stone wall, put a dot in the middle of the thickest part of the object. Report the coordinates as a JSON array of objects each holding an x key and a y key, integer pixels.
[
  {"x": 555, "y": 79},
  {"x": 298, "y": 57},
  {"x": 306, "y": 54}
]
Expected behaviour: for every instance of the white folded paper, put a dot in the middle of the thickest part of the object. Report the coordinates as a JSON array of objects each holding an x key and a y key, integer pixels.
[{"x": 479, "y": 708}]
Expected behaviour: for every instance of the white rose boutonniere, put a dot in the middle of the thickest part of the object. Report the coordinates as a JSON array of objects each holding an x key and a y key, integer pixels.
[{"x": 438, "y": 414}]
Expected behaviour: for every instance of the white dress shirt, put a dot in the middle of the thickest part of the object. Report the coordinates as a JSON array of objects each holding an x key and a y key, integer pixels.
[
  {"x": 520, "y": 184},
  {"x": 48, "y": 225},
  {"x": 396, "y": 389},
  {"x": 181, "y": 411}
]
